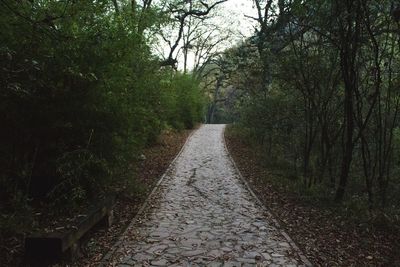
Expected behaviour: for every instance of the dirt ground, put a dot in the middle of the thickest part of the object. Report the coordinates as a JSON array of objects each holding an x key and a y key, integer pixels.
[
  {"x": 98, "y": 241},
  {"x": 157, "y": 159},
  {"x": 325, "y": 236}
]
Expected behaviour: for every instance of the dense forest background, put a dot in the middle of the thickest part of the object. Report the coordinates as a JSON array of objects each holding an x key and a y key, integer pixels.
[
  {"x": 84, "y": 89},
  {"x": 316, "y": 90}
]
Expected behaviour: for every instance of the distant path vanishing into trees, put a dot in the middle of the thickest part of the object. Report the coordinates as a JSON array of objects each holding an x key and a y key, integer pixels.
[{"x": 202, "y": 213}]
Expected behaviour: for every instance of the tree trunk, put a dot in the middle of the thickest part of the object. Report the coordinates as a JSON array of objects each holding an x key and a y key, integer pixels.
[{"x": 348, "y": 147}]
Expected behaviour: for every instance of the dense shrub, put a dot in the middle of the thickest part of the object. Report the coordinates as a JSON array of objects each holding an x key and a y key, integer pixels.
[
  {"x": 80, "y": 96},
  {"x": 185, "y": 103}
]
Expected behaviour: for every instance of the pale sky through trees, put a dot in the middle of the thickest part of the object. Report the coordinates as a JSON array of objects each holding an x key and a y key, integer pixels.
[
  {"x": 237, "y": 9},
  {"x": 230, "y": 17}
]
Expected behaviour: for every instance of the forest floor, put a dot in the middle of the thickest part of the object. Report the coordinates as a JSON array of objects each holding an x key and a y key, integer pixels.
[
  {"x": 325, "y": 235},
  {"x": 157, "y": 159},
  {"x": 98, "y": 241}
]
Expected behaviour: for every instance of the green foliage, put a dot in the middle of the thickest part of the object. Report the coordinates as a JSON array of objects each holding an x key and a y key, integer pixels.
[
  {"x": 80, "y": 96},
  {"x": 183, "y": 101}
]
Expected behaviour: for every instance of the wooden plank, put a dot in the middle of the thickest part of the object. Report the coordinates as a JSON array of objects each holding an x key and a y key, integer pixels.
[
  {"x": 85, "y": 225},
  {"x": 54, "y": 245}
]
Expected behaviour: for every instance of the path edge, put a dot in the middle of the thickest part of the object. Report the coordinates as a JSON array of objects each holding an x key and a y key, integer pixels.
[
  {"x": 104, "y": 261},
  {"x": 275, "y": 221}
]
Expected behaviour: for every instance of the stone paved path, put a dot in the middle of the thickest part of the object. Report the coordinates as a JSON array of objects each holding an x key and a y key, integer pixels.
[{"x": 202, "y": 214}]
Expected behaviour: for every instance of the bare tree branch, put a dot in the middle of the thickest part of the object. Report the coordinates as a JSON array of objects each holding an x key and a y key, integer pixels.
[{"x": 182, "y": 16}]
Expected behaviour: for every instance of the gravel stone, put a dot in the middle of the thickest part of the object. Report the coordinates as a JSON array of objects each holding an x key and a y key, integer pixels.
[{"x": 202, "y": 214}]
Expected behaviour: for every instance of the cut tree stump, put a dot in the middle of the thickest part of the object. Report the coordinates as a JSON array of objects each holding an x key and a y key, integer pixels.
[{"x": 49, "y": 247}]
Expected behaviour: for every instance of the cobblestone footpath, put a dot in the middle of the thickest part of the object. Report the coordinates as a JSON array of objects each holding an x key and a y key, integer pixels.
[{"x": 202, "y": 214}]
